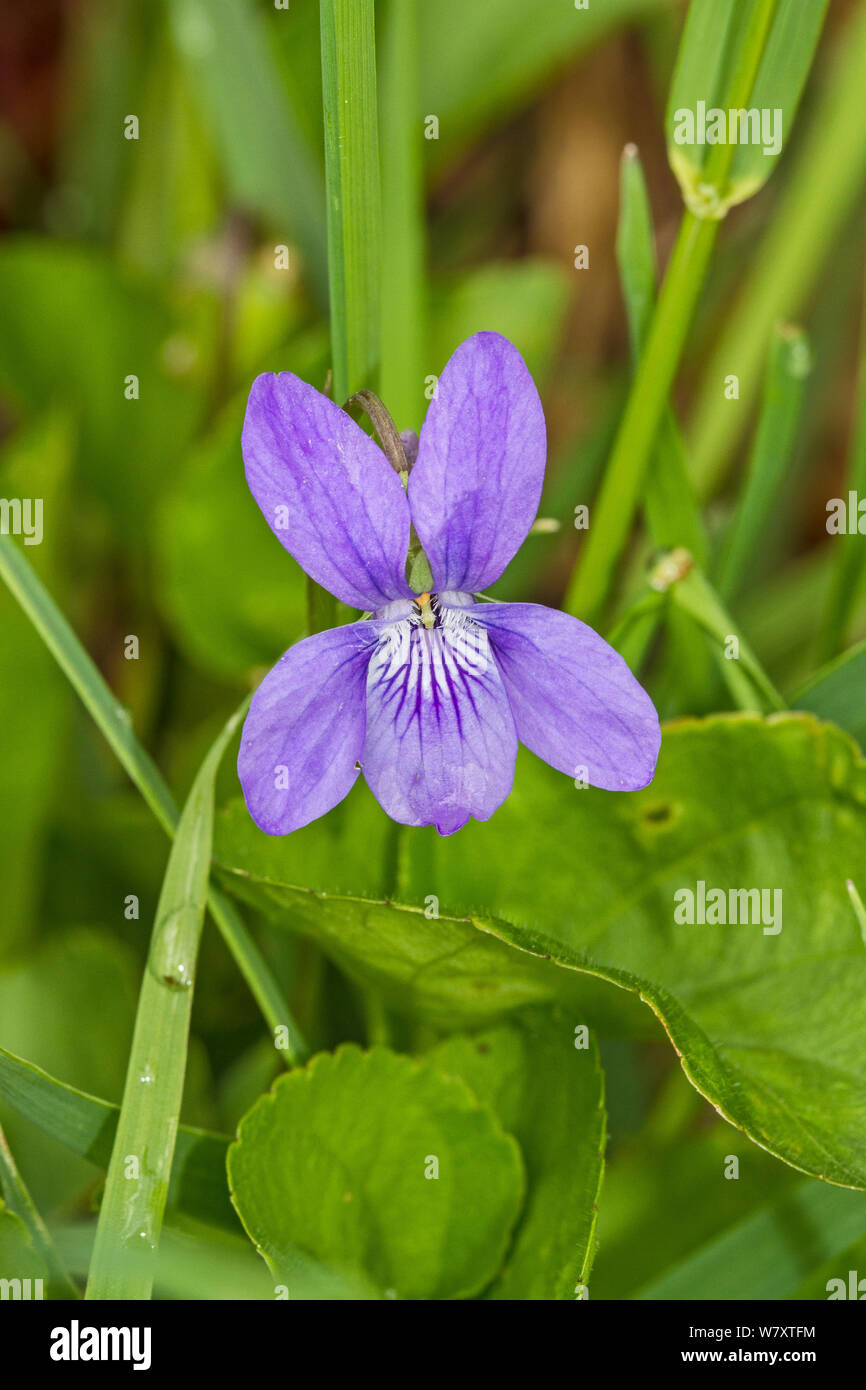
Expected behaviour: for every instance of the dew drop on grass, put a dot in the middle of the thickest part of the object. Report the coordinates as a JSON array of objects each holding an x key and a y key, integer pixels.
[
  {"x": 177, "y": 977},
  {"x": 168, "y": 961}
]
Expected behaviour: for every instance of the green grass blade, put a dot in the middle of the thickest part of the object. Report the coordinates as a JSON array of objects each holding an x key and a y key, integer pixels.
[
  {"x": 623, "y": 481},
  {"x": 748, "y": 683},
  {"x": 87, "y": 1125},
  {"x": 859, "y": 909},
  {"x": 775, "y": 437},
  {"x": 259, "y": 978},
  {"x": 635, "y": 248},
  {"x": 836, "y": 691},
  {"x": 130, "y": 1219},
  {"x": 353, "y": 192},
  {"x": 266, "y": 161},
  {"x": 634, "y": 631},
  {"x": 401, "y": 377},
  {"x": 21, "y": 1204},
  {"x": 671, "y": 511},
  {"x": 850, "y": 567},
  {"x": 113, "y": 720},
  {"x": 825, "y": 183},
  {"x": 706, "y": 70},
  {"x": 748, "y": 44},
  {"x": 760, "y": 1258},
  {"x": 107, "y": 712},
  {"x": 481, "y": 62},
  {"x": 197, "y": 1262}
]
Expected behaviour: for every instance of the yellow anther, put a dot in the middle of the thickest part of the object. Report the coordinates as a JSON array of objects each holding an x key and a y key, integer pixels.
[{"x": 425, "y": 608}]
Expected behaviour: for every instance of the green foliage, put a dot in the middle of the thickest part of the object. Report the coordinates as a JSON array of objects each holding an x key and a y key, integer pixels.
[
  {"x": 70, "y": 971},
  {"x": 36, "y": 462},
  {"x": 479, "y": 66},
  {"x": 764, "y": 1020},
  {"x": 18, "y": 1258},
  {"x": 670, "y": 504},
  {"x": 851, "y": 566},
  {"x": 712, "y": 45},
  {"x": 226, "y": 628},
  {"x": 265, "y": 159},
  {"x": 373, "y": 1176},
  {"x": 403, "y": 292},
  {"x": 679, "y": 1178},
  {"x": 524, "y": 301},
  {"x": 782, "y": 272},
  {"x": 87, "y": 1126},
  {"x": 525, "y": 988},
  {"x": 546, "y": 1087},
  {"x": 775, "y": 436},
  {"x": 352, "y": 189},
  {"x": 130, "y": 1218},
  {"x": 49, "y": 292},
  {"x": 835, "y": 693},
  {"x": 757, "y": 1259}
]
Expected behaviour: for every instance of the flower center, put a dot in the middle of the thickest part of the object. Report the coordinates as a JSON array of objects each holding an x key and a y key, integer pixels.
[{"x": 426, "y": 608}]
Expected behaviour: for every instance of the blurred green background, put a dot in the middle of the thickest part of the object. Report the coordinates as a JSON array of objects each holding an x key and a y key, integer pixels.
[{"x": 156, "y": 258}]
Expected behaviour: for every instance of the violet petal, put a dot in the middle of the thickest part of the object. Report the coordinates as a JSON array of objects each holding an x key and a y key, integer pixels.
[
  {"x": 326, "y": 490},
  {"x": 304, "y": 732},
  {"x": 476, "y": 484},
  {"x": 575, "y": 702}
]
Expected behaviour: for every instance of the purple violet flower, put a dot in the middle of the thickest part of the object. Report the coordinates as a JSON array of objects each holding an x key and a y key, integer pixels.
[{"x": 430, "y": 693}]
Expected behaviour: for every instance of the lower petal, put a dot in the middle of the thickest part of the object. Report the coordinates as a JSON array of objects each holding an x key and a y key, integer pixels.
[
  {"x": 440, "y": 744},
  {"x": 304, "y": 733},
  {"x": 575, "y": 702}
]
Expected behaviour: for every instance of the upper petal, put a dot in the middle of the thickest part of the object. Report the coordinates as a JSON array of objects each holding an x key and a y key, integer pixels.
[
  {"x": 575, "y": 702},
  {"x": 304, "y": 732},
  {"x": 327, "y": 491},
  {"x": 475, "y": 486},
  {"x": 440, "y": 744}
]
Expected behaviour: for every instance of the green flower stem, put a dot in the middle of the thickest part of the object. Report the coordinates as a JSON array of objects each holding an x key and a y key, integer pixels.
[
  {"x": 623, "y": 481},
  {"x": 671, "y": 509},
  {"x": 614, "y": 511},
  {"x": 376, "y": 1020},
  {"x": 670, "y": 506},
  {"x": 112, "y": 718},
  {"x": 136, "y": 1186},
  {"x": 19, "y": 1201},
  {"x": 386, "y": 431}
]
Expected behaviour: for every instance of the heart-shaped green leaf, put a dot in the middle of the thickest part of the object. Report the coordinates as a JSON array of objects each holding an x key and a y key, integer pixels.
[
  {"x": 771, "y": 1024},
  {"x": 371, "y": 1175},
  {"x": 543, "y": 1078}
]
